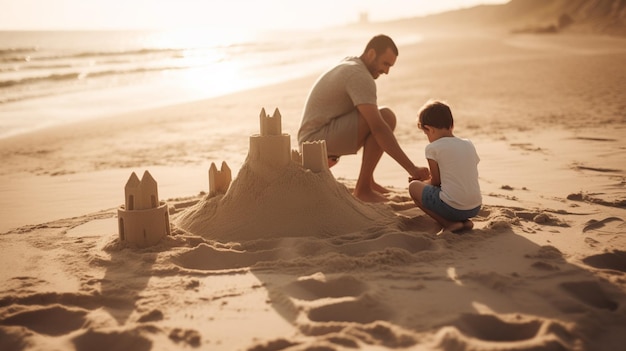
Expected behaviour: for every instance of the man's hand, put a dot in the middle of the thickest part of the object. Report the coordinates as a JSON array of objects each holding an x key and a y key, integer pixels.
[{"x": 420, "y": 173}]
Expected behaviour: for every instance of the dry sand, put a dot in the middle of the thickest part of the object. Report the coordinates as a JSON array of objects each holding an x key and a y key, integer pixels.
[{"x": 543, "y": 269}]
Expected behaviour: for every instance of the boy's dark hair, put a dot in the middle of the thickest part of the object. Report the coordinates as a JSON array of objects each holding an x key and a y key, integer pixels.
[
  {"x": 436, "y": 114},
  {"x": 380, "y": 43}
]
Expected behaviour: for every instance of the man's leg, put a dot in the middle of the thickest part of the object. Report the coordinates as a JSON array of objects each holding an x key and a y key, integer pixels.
[
  {"x": 332, "y": 160},
  {"x": 366, "y": 188}
]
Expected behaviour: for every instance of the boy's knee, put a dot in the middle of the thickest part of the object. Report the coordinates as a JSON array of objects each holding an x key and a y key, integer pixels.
[{"x": 415, "y": 191}]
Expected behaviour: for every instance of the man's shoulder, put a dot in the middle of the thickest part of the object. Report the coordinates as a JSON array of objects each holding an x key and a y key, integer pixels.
[
  {"x": 350, "y": 64},
  {"x": 346, "y": 70},
  {"x": 351, "y": 60}
]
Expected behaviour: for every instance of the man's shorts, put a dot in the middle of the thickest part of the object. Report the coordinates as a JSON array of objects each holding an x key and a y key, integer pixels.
[
  {"x": 341, "y": 135},
  {"x": 432, "y": 201}
]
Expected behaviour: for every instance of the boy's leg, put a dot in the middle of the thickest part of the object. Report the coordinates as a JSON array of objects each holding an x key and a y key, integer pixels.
[{"x": 416, "y": 189}]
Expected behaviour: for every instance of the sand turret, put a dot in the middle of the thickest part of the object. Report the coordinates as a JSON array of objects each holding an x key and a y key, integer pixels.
[
  {"x": 270, "y": 125},
  {"x": 314, "y": 156},
  {"x": 219, "y": 181},
  {"x": 141, "y": 195},
  {"x": 143, "y": 220}
]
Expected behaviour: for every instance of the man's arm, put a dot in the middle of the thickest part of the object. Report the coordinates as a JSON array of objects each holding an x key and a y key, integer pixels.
[{"x": 387, "y": 140}]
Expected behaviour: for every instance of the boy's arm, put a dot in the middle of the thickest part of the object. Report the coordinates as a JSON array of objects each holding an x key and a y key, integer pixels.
[{"x": 435, "y": 176}]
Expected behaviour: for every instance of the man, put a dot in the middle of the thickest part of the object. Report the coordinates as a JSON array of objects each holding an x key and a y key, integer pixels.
[{"x": 342, "y": 109}]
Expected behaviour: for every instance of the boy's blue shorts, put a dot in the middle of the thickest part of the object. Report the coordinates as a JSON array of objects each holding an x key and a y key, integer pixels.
[{"x": 432, "y": 201}]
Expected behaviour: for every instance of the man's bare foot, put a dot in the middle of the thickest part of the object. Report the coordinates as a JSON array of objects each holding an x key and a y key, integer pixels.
[
  {"x": 332, "y": 160},
  {"x": 369, "y": 196},
  {"x": 379, "y": 188}
]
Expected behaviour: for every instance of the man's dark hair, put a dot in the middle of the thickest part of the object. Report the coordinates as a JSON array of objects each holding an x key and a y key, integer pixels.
[
  {"x": 436, "y": 114},
  {"x": 380, "y": 43}
]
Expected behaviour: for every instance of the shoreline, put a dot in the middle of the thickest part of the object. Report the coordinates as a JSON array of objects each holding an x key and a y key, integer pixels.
[{"x": 528, "y": 42}]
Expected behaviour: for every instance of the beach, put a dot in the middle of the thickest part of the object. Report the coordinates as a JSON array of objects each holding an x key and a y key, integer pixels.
[{"x": 543, "y": 268}]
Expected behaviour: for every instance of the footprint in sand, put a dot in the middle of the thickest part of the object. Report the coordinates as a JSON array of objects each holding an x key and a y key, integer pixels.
[
  {"x": 593, "y": 198},
  {"x": 52, "y": 320},
  {"x": 114, "y": 340},
  {"x": 362, "y": 308},
  {"x": 186, "y": 336},
  {"x": 615, "y": 260},
  {"x": 490, "y": 328},
  {"x": 207, "y": 257},
  {"x": 312, "y": 288},
  {"x": 591, "y": 294},
  {"x": 595, "y": 224}
]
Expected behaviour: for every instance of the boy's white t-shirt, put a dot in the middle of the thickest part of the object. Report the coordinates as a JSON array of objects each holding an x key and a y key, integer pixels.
[{"x": 458, "y": 161}]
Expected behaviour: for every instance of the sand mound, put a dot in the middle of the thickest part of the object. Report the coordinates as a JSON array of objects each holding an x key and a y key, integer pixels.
[{"x": 263, "y": 202}]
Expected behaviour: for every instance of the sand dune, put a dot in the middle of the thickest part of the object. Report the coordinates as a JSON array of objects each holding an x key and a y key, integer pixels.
[{"x": 606, "y": 17}]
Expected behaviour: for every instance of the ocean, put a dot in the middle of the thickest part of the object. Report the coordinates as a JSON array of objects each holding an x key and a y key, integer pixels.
[{"x": 55, "y": 77}]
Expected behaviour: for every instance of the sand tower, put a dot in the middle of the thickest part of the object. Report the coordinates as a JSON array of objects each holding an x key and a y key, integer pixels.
[
  {"x": 143, "y": 220},
  {"x": 271, "y": 146},
  {"x": 270, "y": 150}
]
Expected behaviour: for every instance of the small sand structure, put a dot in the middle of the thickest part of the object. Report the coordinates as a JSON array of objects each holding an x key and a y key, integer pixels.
[{"x": 143, "y": 220}]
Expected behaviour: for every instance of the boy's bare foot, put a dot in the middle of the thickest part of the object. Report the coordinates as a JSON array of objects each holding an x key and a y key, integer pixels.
[
  {"x": 455, "y": 227},
  {"x": 468, "y": 225}
]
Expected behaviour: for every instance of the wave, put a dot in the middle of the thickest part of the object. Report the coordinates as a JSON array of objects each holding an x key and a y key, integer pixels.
[
  {"x": 29, "y": 55},
  {"x": 36, "y": 67},
  {"x": 13, "y": 51},
  {"x": 6, "y": 100},
  {"x": 57, "y": 77}
]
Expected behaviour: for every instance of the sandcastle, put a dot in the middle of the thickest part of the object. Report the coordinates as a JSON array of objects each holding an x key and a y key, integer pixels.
[
  {"x": 143, "y": 220},
  {"x": 278, "y": 193}
]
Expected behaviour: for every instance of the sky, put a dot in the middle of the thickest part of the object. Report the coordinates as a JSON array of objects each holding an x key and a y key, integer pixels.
[{"x": 258, "y": 14}]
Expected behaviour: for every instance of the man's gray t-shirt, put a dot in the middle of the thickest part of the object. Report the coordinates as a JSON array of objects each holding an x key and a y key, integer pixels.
[{"x": 336, "y": 93}]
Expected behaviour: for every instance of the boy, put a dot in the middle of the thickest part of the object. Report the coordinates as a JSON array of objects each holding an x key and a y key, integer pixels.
[{"x": 452, "y": 194}]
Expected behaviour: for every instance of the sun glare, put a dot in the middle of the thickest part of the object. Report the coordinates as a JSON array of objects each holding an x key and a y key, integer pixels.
[
  {"x": 199, "y": 37},
  {"x": 214, "y": 79}
]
